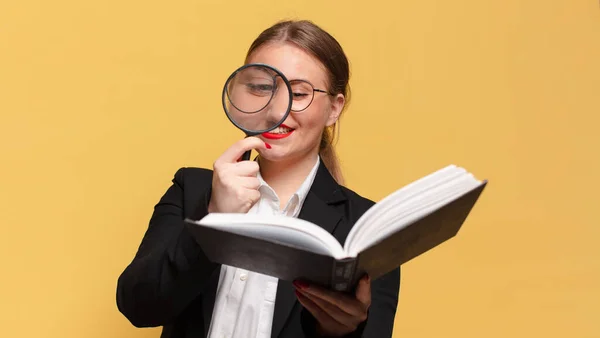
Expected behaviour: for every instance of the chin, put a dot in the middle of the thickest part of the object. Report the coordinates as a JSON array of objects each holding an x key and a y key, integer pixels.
[
  {"x": 274, "y": 156},
  {"x": 279, "y": 154}
]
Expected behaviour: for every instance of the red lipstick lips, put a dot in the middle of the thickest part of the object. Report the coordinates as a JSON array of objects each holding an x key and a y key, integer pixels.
[{"x": 277, "y": 136}]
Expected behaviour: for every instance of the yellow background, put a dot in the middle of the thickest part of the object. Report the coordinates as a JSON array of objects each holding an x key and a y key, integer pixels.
[{"x": 101, "y": 101}]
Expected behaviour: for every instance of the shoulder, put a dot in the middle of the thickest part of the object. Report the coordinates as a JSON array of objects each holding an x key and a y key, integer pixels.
[
  {"x": 191, "y": 188},
  {"x": 192, "y": 176}
]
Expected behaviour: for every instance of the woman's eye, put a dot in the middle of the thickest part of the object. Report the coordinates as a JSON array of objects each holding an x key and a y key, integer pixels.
[{"x": 300, "y": 95}]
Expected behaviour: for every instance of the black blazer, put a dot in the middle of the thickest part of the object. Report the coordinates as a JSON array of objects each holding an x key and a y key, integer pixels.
[{"x": 171, "y": 283}]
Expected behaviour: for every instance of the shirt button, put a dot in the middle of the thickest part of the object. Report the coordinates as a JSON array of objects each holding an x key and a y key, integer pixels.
[{"x": 243, "y": 277}]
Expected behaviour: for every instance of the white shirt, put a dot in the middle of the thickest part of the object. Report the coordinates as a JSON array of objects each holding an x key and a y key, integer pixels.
[{"x": 245, "y": 300}]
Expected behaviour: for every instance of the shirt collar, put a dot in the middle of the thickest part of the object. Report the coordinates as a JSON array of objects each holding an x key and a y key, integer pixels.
[{"x": 302, "y": 191}]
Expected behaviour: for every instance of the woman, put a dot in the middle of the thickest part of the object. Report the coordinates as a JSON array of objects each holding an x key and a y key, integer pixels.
[{"x": 171, "y": 283}]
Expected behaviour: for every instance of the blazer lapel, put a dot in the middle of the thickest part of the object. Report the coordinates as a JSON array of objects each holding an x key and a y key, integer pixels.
[{"x": 319, "y": 209}]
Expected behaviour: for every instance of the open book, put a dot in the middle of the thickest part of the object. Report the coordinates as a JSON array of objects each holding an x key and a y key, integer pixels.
[{"x": 403, "y": 225}]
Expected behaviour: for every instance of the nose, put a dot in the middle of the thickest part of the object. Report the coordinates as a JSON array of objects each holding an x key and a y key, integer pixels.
[{"x": 279, "y": 103}]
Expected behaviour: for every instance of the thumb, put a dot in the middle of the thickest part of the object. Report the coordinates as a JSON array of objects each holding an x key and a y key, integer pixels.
[{"x": 363, "y": 291}]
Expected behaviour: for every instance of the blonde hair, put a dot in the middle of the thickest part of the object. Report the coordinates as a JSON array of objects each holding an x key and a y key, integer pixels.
[{"x": 317, "y": 42}]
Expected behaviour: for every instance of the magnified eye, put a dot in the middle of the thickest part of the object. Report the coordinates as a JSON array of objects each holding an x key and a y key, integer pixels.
[{"x": 261, "y": 89}]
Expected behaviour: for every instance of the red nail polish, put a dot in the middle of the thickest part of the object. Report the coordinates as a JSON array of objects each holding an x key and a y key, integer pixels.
[
  {"x": 267, "y": 145},
  {"x": 300, "y": 284}
]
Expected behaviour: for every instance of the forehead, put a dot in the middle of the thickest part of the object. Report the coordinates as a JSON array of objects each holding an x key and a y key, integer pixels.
[{"x": 292, "y": 61}]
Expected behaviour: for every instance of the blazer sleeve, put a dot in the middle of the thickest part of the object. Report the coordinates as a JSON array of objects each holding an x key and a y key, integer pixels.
[
  {"x": 384, "y": 301},
  {"x": 169, "y": 269}
]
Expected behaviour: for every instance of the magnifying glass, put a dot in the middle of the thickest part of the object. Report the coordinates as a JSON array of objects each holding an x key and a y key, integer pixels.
[{"x": 257, "y": 98}]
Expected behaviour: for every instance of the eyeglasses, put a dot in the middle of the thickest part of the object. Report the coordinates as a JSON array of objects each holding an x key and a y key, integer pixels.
[{"x": 261, "y": 85}]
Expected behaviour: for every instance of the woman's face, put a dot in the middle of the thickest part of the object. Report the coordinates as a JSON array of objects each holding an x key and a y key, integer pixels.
[{"x": 301, "y": 132}]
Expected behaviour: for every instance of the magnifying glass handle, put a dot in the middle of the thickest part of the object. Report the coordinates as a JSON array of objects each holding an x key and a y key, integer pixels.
[{"x": 246, "y": 155}]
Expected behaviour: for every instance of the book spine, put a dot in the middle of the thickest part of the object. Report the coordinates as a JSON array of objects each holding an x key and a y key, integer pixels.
[{"x": 341, "y": 277}]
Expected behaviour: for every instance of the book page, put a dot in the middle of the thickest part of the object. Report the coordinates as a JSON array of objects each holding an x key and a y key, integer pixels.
[
  {"x": 373, "y": 217},
  {"x": 403, "y": 207},
  {"x": 281, "y": 229}
]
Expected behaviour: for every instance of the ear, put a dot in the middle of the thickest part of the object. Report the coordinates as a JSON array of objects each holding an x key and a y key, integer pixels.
[{"x": 337, "y": 105}]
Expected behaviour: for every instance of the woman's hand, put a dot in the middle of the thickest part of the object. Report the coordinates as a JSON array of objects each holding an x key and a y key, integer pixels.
[
  {"x": 234, "y": 184},
  {"x": 337, "y": 313}
]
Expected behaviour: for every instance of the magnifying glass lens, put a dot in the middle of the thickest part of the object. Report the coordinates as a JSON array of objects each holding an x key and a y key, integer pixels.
[{"x": 256, "y": 98}]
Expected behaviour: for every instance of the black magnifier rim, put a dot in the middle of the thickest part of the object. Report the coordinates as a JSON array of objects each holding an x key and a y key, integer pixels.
[
  {"x": 287, "y": 111},
  {"x": 229, "y": 98}
]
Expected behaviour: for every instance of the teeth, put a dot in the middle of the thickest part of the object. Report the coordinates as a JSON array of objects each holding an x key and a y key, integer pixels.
[{"x": 281, "y": 130}]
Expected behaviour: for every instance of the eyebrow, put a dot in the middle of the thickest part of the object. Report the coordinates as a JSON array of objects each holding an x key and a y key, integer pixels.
[
  {"x": 302, "y": 80},
  {"x": 306, "y": 80}
]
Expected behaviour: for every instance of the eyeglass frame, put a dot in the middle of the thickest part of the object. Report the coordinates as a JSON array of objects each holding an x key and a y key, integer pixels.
[{"x": 313, "y": 93}]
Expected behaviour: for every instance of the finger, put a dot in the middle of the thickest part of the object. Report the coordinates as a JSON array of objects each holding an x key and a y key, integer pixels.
[
  {"x": 363, "y": 291},
  {"x": 247, "y": 168},
  {"x": 321, "y": 316},
  {"x": 336, "y": 313},
  {"x": 254, "y": 196},
  {"x": 233, "y": 153},
  {"x": 249, "y": 182},
  {"x": 347, "y": 303}
]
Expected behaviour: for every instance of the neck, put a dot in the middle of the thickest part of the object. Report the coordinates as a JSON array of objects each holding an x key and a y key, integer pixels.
[{"x": 285, "y": 177}]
